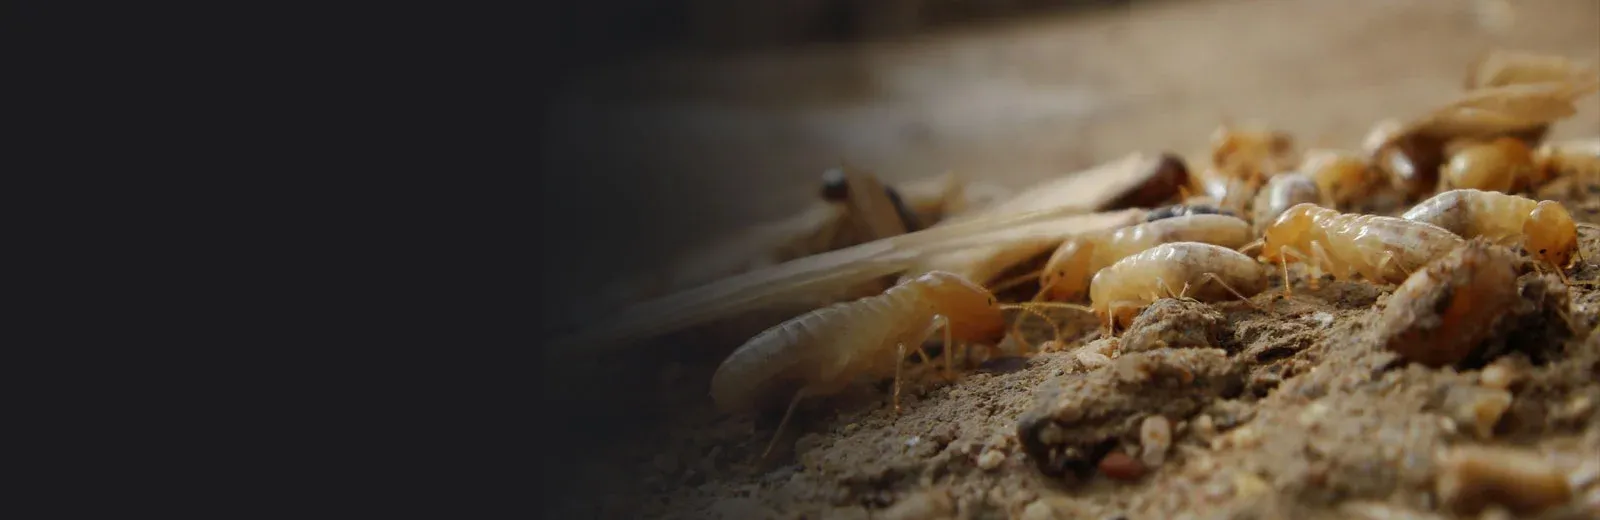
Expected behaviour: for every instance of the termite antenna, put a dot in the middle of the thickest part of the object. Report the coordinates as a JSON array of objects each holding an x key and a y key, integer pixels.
[
  {"x": 789, "y": 414},
  {"x": 1212, "y": 277},
  {"x": 1257, "y": 246},
  {"x": 1016, "y": 327},
  {"x": 1050, "y": 305}
]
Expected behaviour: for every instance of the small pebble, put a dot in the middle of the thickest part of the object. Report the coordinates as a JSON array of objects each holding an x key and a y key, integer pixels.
[
  {"x": 1478, "y": 407},
  {"x": 925, "y": 505},
  {"x": 1155, "y": 435},
  {"x": 991, "y": 459},
  {"x": 1038, "y": 510},
  {"x": 1587, "y": 472},
  {"x": 1312, "y": 413},
  {"x": 1203, "y": 428},
  {"x": 1092, "y": 360},
  {"x": 1120, "y": 466},
  {"x": 1248, "y": 485},
  {"x": 1500, "y": 375},
  {"x": 1472, "y": 478}
]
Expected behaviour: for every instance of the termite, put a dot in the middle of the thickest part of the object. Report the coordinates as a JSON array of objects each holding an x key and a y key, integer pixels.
[
  {"x": 1500, "y": 68},
  {"x": 1251, "y": 153},
  {"x": 1382, "y": 249},
  {"x": 1499, "y": 165},
  {"x": 1544, "y": 229},
  {"x": 1341, "y": 177},
  {"x": 821, "y": 352},
  {"x": 1281, "y": 193},
  {"x": 1066, "y": 275},
  {"x": 1577, "y": 158},
  {"x": 1410, "y": 162},
  {"x": 1178, "y": 269}
]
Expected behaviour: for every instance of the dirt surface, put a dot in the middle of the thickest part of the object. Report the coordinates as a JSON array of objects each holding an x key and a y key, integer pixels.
[
  {"x": 1293, "y": 409},
  {"x": 1290, "y": 408}
]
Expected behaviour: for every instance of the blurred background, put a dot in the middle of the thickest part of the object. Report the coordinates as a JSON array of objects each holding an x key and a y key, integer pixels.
[{"x": 718, "y": 114}]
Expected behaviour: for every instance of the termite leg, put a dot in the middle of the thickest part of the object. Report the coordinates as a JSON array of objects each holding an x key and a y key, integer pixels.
[
  {"x": 802, "y": 393},
  {"x": 1213, "y": 277},
  {"x": 1033, "y": 308},
  {"x": 1390, "y": 258},
  {"x": 1318, "y": 261},
  {"x": 899, "y": 362},
  {"x": 1256, "y": 246},
  {"x": 949, "y": 351},
  {"x": 1284, "y": 252},
  {"x": 1163, "y": 285},
  {"x": 939, "y": 321}
]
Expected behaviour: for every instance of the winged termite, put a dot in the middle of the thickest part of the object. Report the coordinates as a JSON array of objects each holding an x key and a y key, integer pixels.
[
  {"x": 1504, "y": 109},
  {"x": 842, "y": 217},
  {"x": 1500, "y": 68},
  {"x": 873, "y": 211},
  {"x": 933, "y": 199},
  {"x": 1137, "y": 180},
  {"x": 815, "y": 277},
  {"x": 1016, "y": 246}
]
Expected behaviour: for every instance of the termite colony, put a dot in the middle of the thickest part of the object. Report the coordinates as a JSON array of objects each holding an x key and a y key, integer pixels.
[{"x": 1441, "y": 210}]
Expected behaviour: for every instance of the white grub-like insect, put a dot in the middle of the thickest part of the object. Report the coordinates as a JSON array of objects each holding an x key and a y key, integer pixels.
[
  {"x": 1180, "y": 269},
  {"x": 1544, "y": 229},
  {"x": 1502, "y": 164},
  {"x": 1341, "y": 177},
  {"x": 1067, "y": 274},
  {"x": 1382, "y": 249},
  {"x": 1281, "y": 193},
  {"x": 821, "y": 352}
]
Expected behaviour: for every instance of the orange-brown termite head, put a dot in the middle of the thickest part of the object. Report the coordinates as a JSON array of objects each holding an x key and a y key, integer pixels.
[
  {"x": 1550, "y": 235},
  {"x": 973, "y": 311},
  {"x": 1287, "y": 231},
  {"x": 1066, "y": 275}
]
